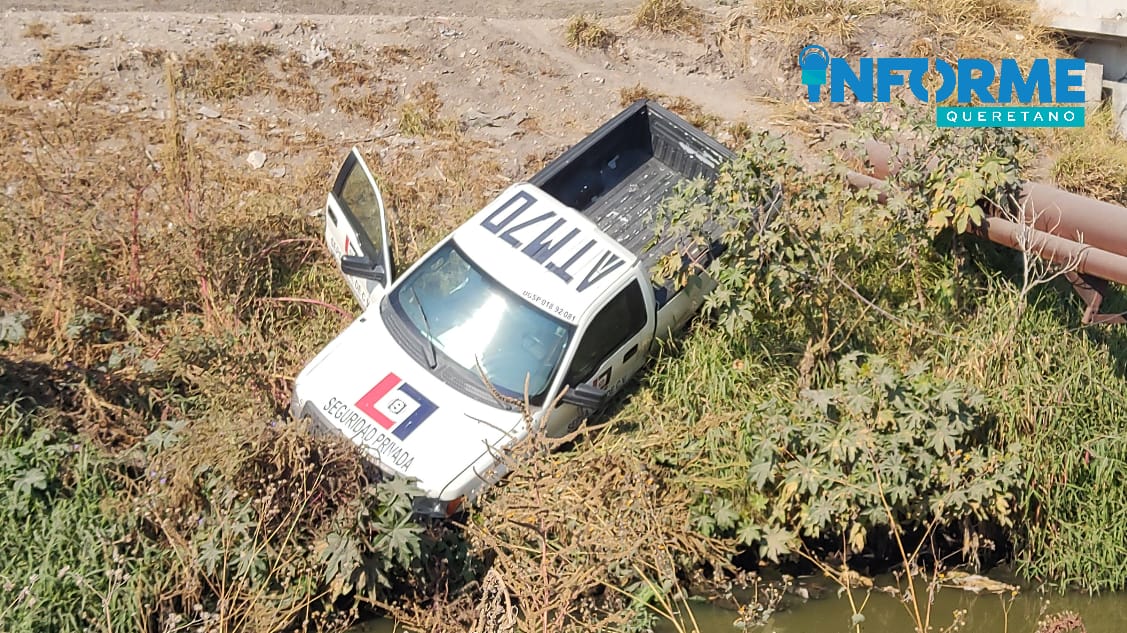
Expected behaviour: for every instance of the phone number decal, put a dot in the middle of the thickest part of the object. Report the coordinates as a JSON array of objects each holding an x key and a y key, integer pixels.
[{"x": 543, "y": 302}]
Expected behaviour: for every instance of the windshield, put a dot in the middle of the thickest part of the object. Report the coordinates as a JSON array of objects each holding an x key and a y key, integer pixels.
[{"x": 475, "y": 321}]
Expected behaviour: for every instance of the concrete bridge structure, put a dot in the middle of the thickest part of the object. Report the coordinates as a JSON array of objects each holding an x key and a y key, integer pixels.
[{"x": 1100, "y": 28}]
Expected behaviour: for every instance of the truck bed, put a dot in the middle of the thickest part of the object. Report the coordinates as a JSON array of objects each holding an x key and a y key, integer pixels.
[{"x": 619, "y": 174}]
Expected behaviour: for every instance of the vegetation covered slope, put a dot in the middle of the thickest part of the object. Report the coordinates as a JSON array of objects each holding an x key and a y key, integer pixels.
[
  {"x": 896, "y": 375},
  {"x": 866, "y": 378},
  {"x": 155, "y": 305},
  {"x": 870, "y": 390}
]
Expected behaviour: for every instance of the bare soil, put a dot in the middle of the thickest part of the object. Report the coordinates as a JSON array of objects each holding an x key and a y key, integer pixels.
[
  {"x": 496, "y": 8},
  {"x": 508, "y": 79}
]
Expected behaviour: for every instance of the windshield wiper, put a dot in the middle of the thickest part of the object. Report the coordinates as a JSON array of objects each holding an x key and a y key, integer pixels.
[{"x": 431, "y": 353}]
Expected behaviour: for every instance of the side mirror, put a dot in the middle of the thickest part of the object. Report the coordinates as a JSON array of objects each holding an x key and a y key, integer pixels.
[
  {"x": 356, "y": 266},
  {"x": 585, "y": 396}
]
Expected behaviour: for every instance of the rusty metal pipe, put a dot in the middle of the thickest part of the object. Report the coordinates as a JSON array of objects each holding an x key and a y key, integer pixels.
[
  {"x": 880, "y": 160},
  {"x": 1085, "y": 258},
  {"x": 1087, "y": 236},
  {"x": 1088, "y": 258},
  {"x": 1077, "y": 218},
  {"x": 861, "y": 181},
  {"x": 1100, "y": 224}
]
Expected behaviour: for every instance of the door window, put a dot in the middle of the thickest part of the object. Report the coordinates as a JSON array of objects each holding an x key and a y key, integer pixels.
[
  {"x": 358, "y": 199},
  {"x": 619, "y": 320}
]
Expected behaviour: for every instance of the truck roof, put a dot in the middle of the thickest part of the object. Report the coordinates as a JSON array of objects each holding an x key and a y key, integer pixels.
[{"x": 545, "y": 251}]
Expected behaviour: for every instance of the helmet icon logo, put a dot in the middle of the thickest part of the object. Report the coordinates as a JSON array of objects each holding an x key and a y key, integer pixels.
[{"x": 814, "y": 61}]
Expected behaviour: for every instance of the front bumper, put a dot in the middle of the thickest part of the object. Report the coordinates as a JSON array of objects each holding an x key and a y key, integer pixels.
[{"x": 421, "y": 506}]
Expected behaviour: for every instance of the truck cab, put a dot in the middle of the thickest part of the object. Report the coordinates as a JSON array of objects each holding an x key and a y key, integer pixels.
[{"x": 541, "y": 302}]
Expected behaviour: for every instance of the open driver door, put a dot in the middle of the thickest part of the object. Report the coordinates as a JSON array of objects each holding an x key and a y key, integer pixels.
[{"x": 356, "y": 231}]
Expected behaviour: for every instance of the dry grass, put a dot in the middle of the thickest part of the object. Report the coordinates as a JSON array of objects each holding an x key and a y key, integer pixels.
[
  {"x": 989, "y": 29},
  {"x": 432, "y": 191},
  {"x": 690, "y": 110},
  {"x": 355, "y": 82},
  {"x": 583, "y": 31},
  {"x": 37, "y": 30},
  {"x": 419, "y": 115},
  {"x": 1001, "y": 13},
  {"x": 370, "y": 106},
  {"x": 168, "y": 225},
  {"x": 1021, "y": 41},
  {"x": 1093, "y": 159},
  {"x": 796, "y": 22},
  {"x": 538, "y": 160},
  {"x": 669, "y": 17},
  {"x": 784, "y": 10},
  {"x": 946, "y": 28},
  {"x": 773, "y": 31},
  {"x": 48, "y": 79},
  {"x": 156, "y": 299},
  {"x": 740, "y": 132},
  {"x": 296, "y": 89},
  {"x": 153, "y": 57},
  {"x": 815, "y": 121},
  {"x": 398, "y": 54},
  {"x": 567, "y": 532},
  {"x": 80, "y": 19},
  {"x": 349, "y": 72},
  {"x": 630, "y": 94},
  {"x": 229, "y": 71}
]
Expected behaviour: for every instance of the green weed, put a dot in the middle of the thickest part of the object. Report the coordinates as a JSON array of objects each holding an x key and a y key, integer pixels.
[
  {"x": 829, "y": 274},
  {"x": 1093, "y": 159},
  {"x": 72, "y": 558}
]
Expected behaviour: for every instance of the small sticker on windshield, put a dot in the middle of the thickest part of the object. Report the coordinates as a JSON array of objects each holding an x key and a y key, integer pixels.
[{"x": 396, "y": 406}]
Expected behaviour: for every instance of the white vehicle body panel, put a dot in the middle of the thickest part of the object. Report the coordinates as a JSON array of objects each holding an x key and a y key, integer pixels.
[{"x": 370, "y": 390}]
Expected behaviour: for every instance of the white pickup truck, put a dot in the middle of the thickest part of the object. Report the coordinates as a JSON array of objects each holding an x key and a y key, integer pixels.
[{"x": 545, "y": 291}]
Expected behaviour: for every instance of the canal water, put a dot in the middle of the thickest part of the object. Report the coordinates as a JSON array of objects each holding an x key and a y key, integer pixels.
[
  {"x": 831, "y": 613},
  {"x": 986, "y": 613}
]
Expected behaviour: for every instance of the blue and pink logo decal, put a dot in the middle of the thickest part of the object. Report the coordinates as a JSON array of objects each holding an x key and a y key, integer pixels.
[{"x": 396, "y": 406}]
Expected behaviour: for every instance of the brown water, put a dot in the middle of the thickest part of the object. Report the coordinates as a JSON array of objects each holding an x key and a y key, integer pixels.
[{"x": 1105, "y": 613}]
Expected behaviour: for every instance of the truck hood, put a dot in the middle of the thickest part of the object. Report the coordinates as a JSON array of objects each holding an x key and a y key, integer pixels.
[{"x": 368, "y": 388}]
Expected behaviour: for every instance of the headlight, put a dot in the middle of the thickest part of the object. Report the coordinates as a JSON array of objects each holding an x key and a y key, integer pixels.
[
  {"x": 318, "y": 423},
  {"x": 436, "y": 508},
  {"x": 295, "y": 406}
]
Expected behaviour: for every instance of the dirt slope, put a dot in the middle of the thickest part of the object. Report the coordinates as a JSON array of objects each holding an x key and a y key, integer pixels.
[
  {"x": 511, "y": 83},
  {"x": 495, "y": 8}
]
